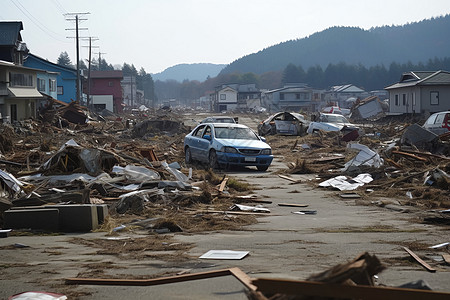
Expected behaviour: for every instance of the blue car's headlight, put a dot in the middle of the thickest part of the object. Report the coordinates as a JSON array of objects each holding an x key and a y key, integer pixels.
[
  {"x": 266, "y": 151},
  {"x": 229, "y": 150}
]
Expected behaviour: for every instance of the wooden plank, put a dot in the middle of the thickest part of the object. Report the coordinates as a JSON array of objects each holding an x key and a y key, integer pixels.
[
  {"x": 293, "y": 205},
  {"x": 309, "y": 288},
  {"x": 446, "y": 258},
  {"x": 289, "y": 178},
  {"x": 420, "y": 261},
  {"x": 222, "y": 184},
  {"x": 148, "y": 282},
  {"x": 243, "y": 278}
]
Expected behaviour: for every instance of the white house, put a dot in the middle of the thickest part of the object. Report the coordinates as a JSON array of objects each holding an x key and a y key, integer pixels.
[
  {"x": 225, "y": 98},
  {"x": 420, "y": 92}
]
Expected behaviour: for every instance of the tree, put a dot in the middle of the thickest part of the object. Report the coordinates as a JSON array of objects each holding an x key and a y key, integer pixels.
[
  {"x": 292, "y": 74},
  {"x": 64, "y": 60}
]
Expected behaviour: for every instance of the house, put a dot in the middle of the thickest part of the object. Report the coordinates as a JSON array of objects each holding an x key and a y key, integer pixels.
[
  {"x": 224, "y": 98},
  {"x": 19, "y": 96},
  {"x": 292, "y": 97},
  {"x": 66, "y": 79},
  {"x": 248, "y": 96},
  {"x": 12, "y": 49},
  {"x": 107, "y": 83},
  {"x": 367, "y": 108},
  {"x": 420, "y": 92},
  {"x": 339, "y": 94}
]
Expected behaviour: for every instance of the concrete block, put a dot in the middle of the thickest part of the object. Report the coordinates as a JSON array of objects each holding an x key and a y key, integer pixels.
[
  {"x": 102, "y": 212},
  {"x": 37, "y": 219},
  {"x": 77, "y": 217}
]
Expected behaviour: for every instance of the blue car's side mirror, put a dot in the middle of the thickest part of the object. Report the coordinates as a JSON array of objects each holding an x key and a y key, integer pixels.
[{"x": 207, "y": 136}]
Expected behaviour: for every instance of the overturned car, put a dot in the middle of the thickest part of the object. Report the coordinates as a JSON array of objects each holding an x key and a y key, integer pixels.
[{"x": 285, "y": 123}]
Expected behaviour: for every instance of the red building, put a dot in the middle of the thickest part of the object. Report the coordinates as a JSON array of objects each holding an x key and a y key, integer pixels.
[{"x": 108, "y": 83}]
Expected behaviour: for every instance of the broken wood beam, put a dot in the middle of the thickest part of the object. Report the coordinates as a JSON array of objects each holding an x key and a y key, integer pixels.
[
  {"x": 289, "y": 178},
  {"x": 409, "y": 155},
  {"x": 223, "y": 184},
  {"x": 293, "y": 205},
  {"x": 236, "y": 272},
  {"x": 310, "y": 288},
  {"x": 420, "y": 261}
]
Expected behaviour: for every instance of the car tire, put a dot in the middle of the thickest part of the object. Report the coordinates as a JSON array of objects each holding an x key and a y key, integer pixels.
[
  {"x": 262, "y": 168},
  {"x": 213, "y": 164},
  {"x": 188, "y": 155}
]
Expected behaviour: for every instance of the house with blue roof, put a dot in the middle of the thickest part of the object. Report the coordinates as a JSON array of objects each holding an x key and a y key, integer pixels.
[{"x": 64, "y": 89}]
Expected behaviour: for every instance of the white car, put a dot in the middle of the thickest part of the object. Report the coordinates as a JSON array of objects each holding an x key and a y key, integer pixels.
[
  {"x": 438, "y": 123},
  {"x": 332, "y": 122}
]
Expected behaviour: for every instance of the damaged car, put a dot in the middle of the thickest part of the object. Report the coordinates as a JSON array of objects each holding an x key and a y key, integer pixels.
[
  {"x": 225, "y": 145},
  {"x": 333, "y": 122},
  {"x": 285, "y": 123}
]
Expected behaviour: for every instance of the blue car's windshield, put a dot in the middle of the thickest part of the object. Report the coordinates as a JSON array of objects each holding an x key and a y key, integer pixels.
[{"x": 235, "y": 133}]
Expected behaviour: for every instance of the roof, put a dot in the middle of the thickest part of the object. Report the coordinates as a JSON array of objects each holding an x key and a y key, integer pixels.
[
  {"x": 107, "y": 74},
  {"x": 290, "y": 89},
  {"x": 10, "y": 33},
  {"x": 12, "y": 65},
  {"x": 422, "y": 78},
  {"x": 347, "y": 88},
  {"x": 51, "y": 63}
]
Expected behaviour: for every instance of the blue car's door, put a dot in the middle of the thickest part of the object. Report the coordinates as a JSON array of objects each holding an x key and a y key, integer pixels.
[
  {"x": 194, "y": 141},
  {"x": 204, "y": 144}
]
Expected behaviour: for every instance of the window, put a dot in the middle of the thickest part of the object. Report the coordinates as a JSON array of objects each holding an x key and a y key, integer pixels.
[
  {"x": 18, "y": 79},
  {"x": 110, "y": 83},
  {"x": 434, "y": 98},
  {"x": 404, "y": 99},
  {"x": 41, "y": 85},
  {"x": 223, "y": 96},
  {"x": 439, "y": 119},
  {"x": 297, "y": 96},
  {"x": 397, "y": 103},
  {"x": 281, "y": 96},
  {"x": 60, "y": 90},
  {"x": 199, "y": 131},
  {"x": 52, "y": 85}
]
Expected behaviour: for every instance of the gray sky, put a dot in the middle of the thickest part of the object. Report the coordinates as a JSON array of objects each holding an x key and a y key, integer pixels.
[{"x": 157, "y": 34}]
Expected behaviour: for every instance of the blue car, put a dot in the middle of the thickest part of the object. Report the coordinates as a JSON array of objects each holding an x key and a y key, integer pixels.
[{"x": 225, "y": 145}]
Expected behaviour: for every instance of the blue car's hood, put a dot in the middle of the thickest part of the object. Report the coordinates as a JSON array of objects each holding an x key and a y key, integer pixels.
[{"x": 243, "y": 143}]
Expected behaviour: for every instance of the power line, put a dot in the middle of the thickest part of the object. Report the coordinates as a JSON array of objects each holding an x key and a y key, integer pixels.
[
  {"x": 36, "y": 22},
  {"x": 60, "y": 7}
]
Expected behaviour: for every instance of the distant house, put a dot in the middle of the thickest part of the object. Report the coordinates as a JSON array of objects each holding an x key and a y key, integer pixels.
[
  {"x": 292, "y": 97},
  {"x": 12, "y": 49},
  {"x": 19, "y": 96},
  {"x": 66, "y": 80},
  {"x": 420, "y": 92},
  {"x": 224, "y": 98},
  {"x": 107, "y": 83},
  {"x": 339, "y": 94}
]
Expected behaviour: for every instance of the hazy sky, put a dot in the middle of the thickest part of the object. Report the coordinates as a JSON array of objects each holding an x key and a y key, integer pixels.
[{"x": 157, "y": 34}]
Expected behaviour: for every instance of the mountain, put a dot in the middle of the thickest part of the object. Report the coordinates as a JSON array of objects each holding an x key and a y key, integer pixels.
[
  {"x": 414, "y": 42},
  {"x": 189, "y": 71}
]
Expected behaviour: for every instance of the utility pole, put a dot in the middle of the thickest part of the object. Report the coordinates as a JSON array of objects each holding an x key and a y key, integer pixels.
[
  {"x": 77, "y": 19},
  {"x": 88, "y": 103}
]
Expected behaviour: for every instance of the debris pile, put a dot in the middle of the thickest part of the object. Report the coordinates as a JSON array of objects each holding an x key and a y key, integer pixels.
[{"x": 128, "y": 165}]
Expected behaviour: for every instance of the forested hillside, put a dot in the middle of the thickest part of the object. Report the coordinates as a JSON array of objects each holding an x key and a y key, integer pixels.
[{"x": 414, "y": 42}]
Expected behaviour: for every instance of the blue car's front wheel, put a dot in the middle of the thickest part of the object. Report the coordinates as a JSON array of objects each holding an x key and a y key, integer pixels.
[
  {"x": 213, "y": 164},
  {"x": 188, "y": 156}
]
